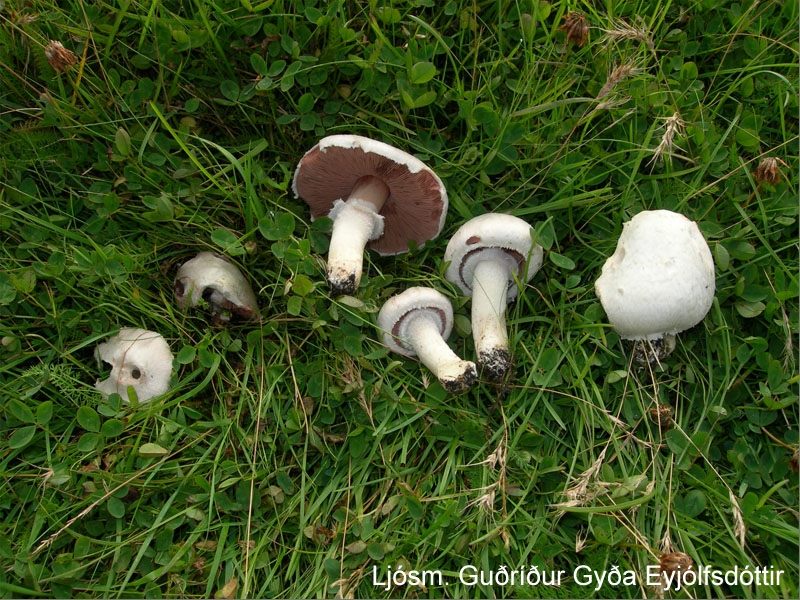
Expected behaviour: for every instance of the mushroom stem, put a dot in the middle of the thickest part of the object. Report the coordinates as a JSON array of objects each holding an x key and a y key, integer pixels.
[
  {"x": 424, "y": 337},
  {"x": 355, "y": 222},
  {"x": 372, "y": 190},
  {"x": 489, "y": 299}
]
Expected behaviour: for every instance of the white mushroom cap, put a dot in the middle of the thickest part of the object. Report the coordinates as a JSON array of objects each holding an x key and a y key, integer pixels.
[
  {"x": 139, "y": 359},
  {"x": 393, "y": 318},
  {"x": 504, "y": 239},
  {"x": 660, "y": 279},
  {"x": 416, "y": 323},
  {"x": 216, "y": 280}
]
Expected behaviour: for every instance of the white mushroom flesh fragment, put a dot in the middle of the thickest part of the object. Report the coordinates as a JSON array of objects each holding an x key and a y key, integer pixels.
[
  {"x": 417, "y": 323},
  {"x": 139, "y": 359},
  {"x": 489, "y": 256},
  {"x": 214, "y": 279},
  {"x": 660, "y": 279}
]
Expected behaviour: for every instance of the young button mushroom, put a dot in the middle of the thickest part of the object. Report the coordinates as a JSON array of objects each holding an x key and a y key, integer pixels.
[
  {"x": 139, "y": 359},
  {"x": 376, "y": 195},
  {"x": 416, "y": 323},
  {"x": 216, "y": 280},
  {"x": 658, "y": 282},
  {"x": 488, "y": 255}
]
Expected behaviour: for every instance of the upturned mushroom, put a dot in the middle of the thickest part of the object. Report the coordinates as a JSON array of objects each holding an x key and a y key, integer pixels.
[
  {"x": 214, "y": 279},
  {"x": 139, "y": 359},
  {"x": 658, "y": 282},
  {"x": 489, "y": 256},
  {"x": 416, "y": 323},
  {"x": 377, "y": 196}
]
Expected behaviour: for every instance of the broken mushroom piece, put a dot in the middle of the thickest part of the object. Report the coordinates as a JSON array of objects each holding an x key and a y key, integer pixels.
[
  {"x": 416, "y": 323},
  {"x": 216, "y": 280},
  {"x": 489, "y": 255},
  {"x": 139, "y": 359},
  {"x": 376, "y": 195},
  {"x": 658, "y": 282}
]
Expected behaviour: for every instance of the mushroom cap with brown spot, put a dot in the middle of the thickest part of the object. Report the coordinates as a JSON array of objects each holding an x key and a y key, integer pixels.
[
  {"x": 417, "y": 204},
  {"x": 493, "y": 236}
]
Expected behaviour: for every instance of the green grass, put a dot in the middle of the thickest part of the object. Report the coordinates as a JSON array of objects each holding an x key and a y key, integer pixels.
[{"x": 294, "y": 455}]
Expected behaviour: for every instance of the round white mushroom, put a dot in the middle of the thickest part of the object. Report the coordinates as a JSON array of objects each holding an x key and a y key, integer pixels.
[
  {"x": 377, "y": 196},
  {"x": 489, "y": 256},
  {"x": 660, "y": 279},
  {"x": 214, "y": 279},
  {"x": 416, "y": 323},
  {"x": 139, "y": 359}
]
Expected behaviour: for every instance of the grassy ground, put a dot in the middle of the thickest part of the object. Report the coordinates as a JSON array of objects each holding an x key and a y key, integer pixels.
[{"x": 294, "y": 456}]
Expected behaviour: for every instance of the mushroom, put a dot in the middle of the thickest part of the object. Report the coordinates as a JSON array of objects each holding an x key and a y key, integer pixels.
[
  {"x": 416, "y": 323},
  {"x": 658, "y": 282},
  {"x": 139, "y": 359},
  {"x": 489, "y": 255},
  {"x": 216, "y": 280},
  {"x": 376, "y": 195}
]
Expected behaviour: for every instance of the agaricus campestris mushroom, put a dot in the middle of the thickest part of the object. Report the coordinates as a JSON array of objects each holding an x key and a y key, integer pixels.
[
  {"x": 659, "y": 281},
  {"x": 139, "y": 359},
  {"x": 376, "y": 195},
  {"x": 489, "y": 255},
  {"x": 216, "y": 280},
  {"x": 416, "y": 323}
]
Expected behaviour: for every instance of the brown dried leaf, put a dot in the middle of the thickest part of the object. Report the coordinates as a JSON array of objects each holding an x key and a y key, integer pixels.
[{"x": 228, "y": 590}]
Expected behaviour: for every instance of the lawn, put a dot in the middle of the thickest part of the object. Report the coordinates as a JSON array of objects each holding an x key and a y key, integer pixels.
[{"x": 294, "y": 455}]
